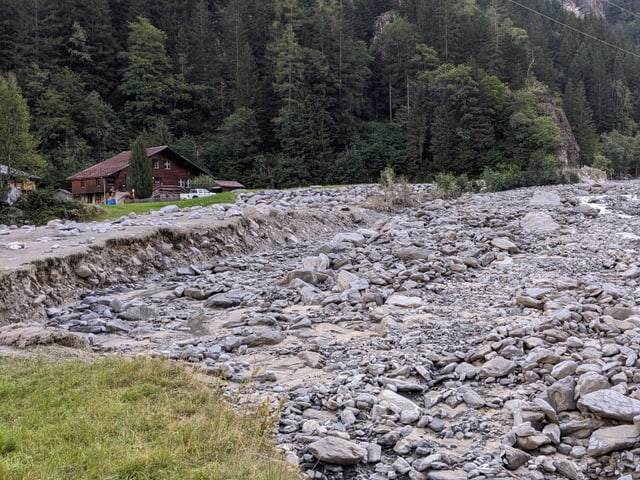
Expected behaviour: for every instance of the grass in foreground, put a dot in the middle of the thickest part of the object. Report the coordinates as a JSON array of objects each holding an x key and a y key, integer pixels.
[
  {"x": 117, "y": 211},
  {"x": 125, "y": 419}
]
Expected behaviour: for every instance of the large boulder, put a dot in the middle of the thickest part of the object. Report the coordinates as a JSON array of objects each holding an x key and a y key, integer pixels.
[{"x": 9, "y": 196}]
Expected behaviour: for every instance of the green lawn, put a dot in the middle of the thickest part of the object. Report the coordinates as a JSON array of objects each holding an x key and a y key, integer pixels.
[
  {"x": 126, "y": 419},
  {"x": 117, "y": 211}
]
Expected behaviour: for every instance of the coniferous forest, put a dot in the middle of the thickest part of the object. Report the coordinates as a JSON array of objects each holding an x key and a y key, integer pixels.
[{"x": 297, "y": 92}]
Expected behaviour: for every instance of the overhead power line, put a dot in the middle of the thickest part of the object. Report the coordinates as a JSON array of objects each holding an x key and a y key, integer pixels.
[
  {"x": 577, "y": 30},
  {"x": 623, "y": 9}
]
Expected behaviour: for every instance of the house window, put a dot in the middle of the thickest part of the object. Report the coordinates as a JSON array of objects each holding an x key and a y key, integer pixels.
[
  {"x": 98, "y": 182},
  {"x": 156, "y": 163},
  {"x": 188, "y": 183},
  {"x": 167, "y": 164},
  {"x": 82, "y": 183},
  {"x": 181, "y": 182}
]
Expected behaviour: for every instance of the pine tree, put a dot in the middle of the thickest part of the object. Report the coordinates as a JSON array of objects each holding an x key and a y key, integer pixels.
[
  {"x": 140, "y": 176},
  {"x": 580, "y": 117},
  {"x": 144, "y": 81}
]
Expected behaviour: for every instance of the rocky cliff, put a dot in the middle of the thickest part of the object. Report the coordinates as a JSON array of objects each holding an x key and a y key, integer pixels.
[{"x": 582, "y": 8}]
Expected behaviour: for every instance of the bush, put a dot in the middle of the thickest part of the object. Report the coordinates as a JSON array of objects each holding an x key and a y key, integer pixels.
[
  {"x": 40, "y": 206},
  {"x": 203, "y": 181},
  {"x": 396, "y": 192},
  {"x": 452, "y": 186},
  {"x": 542, "y": 170}
]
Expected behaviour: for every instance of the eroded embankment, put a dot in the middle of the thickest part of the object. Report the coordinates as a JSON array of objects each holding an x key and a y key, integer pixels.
[{"x": 26, "y": 293}]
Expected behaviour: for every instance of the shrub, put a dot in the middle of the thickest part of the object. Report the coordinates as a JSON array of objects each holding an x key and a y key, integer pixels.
[
  {"x": 203, "y": 181},
  {"x": 40, "y": 206},
  {"x": 452, "y": 186},
  {"x": 396, "y": 192}
]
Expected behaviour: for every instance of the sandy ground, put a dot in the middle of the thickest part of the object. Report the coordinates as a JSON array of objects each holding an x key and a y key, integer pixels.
[{"x": 19, "y": 247}]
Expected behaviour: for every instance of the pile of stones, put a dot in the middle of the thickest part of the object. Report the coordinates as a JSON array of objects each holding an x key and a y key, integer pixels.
[{"x": 494, "y": 335}]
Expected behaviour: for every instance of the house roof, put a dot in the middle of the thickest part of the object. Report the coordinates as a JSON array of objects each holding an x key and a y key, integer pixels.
[
  {"x": 14, "y": 172},
  {"x": 115, "y": 164},
  {"x": 228, "y": 184}
]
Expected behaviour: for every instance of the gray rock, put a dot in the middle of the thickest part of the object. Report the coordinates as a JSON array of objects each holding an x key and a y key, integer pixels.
[
  {"x": 564, "y": 369},
  {"x": 568, "y": 469},
  {"x": 337, "y": 451},
  {"x": 401, "y": 466},
  {"x": 562, "y": 394},
  {"x": 169, "y": 209},
  {"x": 497, "y": 367},
  {"x": 610, "y": 439},
  {"x": 228, "y": 299},
  {"x": 137, "y": 313},
  {"x": 545, "y": 199},
  {"x": 398, "y": 404},
  {"x": 610, "y": 404},
  {"x": 504, "y": 243},
  {"x": 350, "y": 237},
  {"x": 513, "y": 458},
  {"x": 413, "y": 253},
  {"x": 264, "y": 337},
  {"x": 347, "y": 280},
  {"x": 590, "y": 382},
  {"x": 83, "y": 271},
  {"x": 311, "y": 359},
  {"x": 404, "y": 301},
  {"x": 447, "y": 475},
  {"x": 9, "y": 196},
  {"x": 472, "y": 398},
  {"x": 539, "y": 223},
  {"x": 587, "y": 210}
]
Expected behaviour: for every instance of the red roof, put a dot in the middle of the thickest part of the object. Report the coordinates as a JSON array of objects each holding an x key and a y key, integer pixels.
[{"x": 112, "y": 165}]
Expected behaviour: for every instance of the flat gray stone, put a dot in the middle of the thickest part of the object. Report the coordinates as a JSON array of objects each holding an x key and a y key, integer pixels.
[
  {"x": 545, "y": 199},
  {"x": 504, "y": 243},
  {"x": 228, "y": 299},
  {"x": 404, "y": 301},
  {"x": 413, "y": 253},
  {"x": 397, "y": 403},
  {"x": 539, "y": 223},
  {"x": 497, "y": 367},
  {"x": 611, "y": 439},
  {"x": 337, "y": 451},
  {"x": 610, "y": 404}
]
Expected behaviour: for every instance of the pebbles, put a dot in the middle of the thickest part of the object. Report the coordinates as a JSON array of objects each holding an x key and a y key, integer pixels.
[{"x": 454, "y": 339}]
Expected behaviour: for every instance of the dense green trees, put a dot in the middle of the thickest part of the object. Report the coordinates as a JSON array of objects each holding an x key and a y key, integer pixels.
[
  {"x": 17, "y": 146},
  {"x": 299, "y": 92}
]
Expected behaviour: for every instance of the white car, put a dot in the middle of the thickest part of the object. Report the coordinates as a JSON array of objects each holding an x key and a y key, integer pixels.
[{"x": 196, "y": 193}]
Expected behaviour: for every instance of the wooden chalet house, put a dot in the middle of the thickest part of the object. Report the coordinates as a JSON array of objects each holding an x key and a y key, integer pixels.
[{"x": 172, "y": 175}]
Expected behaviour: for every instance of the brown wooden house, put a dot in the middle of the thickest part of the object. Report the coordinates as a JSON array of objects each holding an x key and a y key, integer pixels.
[{"x": 172, "y": 174}]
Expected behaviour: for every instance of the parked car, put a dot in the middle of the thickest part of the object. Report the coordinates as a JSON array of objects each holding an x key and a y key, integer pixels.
[{"x": 196, "y": 193}]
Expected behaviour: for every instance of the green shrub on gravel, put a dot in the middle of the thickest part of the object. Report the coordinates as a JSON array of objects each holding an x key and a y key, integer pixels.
[{"x": 116, "y": 418}]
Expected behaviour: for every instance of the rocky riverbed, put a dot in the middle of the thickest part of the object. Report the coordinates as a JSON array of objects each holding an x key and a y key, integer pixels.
[{"x": 489, "y": 336}]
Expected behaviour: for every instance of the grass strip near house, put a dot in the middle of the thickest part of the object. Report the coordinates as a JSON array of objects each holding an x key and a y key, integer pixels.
[
  {"x": 122, "y": 209},
  {"x": 126, "y": 419}
]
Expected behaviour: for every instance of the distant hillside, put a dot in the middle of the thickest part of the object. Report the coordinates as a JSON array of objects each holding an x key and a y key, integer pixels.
[{"x": 301, "y": 92}]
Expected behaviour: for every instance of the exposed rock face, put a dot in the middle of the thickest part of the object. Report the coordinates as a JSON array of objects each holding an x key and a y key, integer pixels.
[
  {"x": 447, "y": 340},
  {"x": 582, "y": 8},
  {"x": 569, "y": 152}
]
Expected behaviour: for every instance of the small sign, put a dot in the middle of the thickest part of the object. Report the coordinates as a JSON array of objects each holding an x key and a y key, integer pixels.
[{"x": 4, "y": 170}]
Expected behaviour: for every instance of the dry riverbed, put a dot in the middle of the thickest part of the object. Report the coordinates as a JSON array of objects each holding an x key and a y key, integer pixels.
[{"x": 490, "y": 336}]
